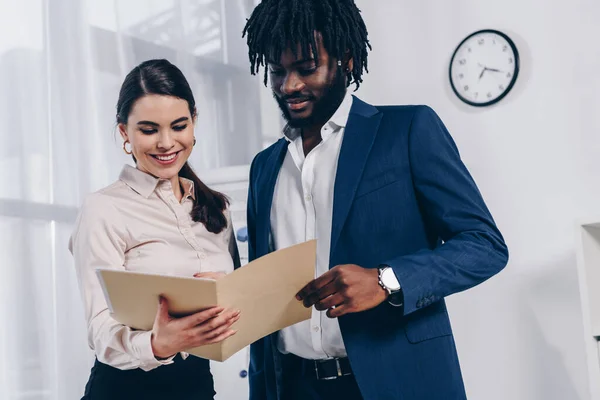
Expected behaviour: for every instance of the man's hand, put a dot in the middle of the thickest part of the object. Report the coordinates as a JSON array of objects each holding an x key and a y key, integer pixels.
[{"x": 344, "y": 289}]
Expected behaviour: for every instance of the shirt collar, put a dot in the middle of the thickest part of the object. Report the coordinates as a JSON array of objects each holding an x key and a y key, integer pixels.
[
  {"x": 145, "y": 184},
  {"x": 188, "y": 188},
  {"x": 339, "y": 119}
]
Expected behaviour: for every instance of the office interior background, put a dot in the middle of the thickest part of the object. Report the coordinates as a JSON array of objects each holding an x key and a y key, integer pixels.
[{"x": 525, "y": 334}]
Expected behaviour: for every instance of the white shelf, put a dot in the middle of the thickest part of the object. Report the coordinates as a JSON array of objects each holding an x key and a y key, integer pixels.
[{"x": 588, "y": 266}]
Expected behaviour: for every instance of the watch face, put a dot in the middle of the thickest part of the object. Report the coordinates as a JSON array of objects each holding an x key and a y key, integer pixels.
[
  {"x": 484, "y": 68},
  {"x": 388, "y": 278}
]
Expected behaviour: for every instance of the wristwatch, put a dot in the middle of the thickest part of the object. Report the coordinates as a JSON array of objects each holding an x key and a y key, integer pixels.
[{"x": 389, "y": 282}]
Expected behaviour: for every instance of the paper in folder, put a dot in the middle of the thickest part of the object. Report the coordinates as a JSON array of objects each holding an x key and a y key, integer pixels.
[{"x": 264, "y": 290}]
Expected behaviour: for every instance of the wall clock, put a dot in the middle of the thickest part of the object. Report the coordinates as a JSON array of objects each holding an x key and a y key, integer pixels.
[{"x": 484, "y": 68}]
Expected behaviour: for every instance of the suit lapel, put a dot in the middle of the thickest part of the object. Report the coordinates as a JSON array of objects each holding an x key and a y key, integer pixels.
[
  {"x": 265, "y": 188},
  {"x": 359, "y": 136}
]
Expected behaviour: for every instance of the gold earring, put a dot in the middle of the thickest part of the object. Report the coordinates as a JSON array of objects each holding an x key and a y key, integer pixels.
[{"x": 125, "y": 147}]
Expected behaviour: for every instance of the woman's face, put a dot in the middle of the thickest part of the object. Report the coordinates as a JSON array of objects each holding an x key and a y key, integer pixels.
[{"x": 160, "y": 130}]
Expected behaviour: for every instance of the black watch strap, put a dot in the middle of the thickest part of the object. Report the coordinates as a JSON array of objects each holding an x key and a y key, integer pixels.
[{"x": 396, "y": 298}]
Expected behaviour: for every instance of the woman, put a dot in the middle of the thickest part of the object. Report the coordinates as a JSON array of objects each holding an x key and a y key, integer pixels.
[{"x": 159, "y": 218}]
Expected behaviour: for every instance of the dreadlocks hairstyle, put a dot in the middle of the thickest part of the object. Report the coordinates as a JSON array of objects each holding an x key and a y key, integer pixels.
[{"x": 277, "y": 24}]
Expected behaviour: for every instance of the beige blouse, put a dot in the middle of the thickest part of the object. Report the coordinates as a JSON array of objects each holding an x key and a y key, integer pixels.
[{"x": 137, "y": 224}]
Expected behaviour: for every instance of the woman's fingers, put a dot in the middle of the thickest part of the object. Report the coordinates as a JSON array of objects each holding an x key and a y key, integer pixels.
[
  {"x": 222, "y": 336},
  {"x": 209, "y": 275},
  {"x": 226, "y": 318},
  {"x": 200, "y": 317}
]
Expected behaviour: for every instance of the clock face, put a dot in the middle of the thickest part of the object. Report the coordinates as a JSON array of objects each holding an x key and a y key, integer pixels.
[{"x": 484, "y": 68}]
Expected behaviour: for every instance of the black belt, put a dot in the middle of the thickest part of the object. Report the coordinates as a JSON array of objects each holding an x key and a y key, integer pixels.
[{"x": 328, "y": 369}]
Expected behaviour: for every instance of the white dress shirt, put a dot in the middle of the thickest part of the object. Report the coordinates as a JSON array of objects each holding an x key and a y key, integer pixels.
[
  {"x": 302, "y": 210},
  {"x": 137, "y": 224}
]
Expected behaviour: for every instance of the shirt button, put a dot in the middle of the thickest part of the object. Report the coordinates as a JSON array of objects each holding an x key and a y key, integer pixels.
[
  {"x": 316, "y": 328},
  {"x": 308, "y": 197},
  {"x": 202, "y": 256}
]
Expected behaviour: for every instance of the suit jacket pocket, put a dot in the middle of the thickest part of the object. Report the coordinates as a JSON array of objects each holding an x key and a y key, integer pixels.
[
  {"x": 378, "y": 178},
  {"x": 370, "y": 189},
  {"x": 428, "y": 323}
]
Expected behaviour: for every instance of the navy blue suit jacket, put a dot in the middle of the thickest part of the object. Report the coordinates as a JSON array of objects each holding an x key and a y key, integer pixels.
[{"x": 402, "y": 197}]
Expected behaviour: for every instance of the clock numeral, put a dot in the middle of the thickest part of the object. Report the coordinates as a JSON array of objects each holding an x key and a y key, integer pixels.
[
  {"x": 476, "y": 94},
  {"x": 469, "y": 50},
  {"x": 505, "y": 48},
  {"x": 481, "y": 41},
  {"x": 489, "y": 95},
  {"x": 508, "y": 75},
  {"x": 462, "y": 62},
  {"x": 494, "y": 41},
  {"x": 460, "y": 76},
  {"x": 466, "y": 88},
  {"x": 501, "y": 87},
  {"x": 510, "y": 60}
]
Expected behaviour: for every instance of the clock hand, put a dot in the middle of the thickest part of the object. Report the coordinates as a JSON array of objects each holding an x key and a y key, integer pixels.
[
  {"x": 494, "y": 70},
  {"x": 482, "y": 72}
]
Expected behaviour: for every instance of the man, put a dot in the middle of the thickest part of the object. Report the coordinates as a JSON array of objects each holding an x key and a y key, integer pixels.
[{"x": 399, "y": 222}]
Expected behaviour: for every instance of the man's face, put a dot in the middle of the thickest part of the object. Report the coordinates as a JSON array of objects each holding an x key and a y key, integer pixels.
[{"x": 308, "y": 94}]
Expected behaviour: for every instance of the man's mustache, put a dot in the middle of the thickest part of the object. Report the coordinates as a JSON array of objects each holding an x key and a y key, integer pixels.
[{"x": 296, "y": 97}]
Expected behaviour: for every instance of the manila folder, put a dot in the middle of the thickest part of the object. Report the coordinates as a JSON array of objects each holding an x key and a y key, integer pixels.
[{"x": 263, "y": 290}]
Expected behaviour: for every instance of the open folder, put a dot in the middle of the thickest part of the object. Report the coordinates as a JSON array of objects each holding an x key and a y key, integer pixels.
[{"x": 264, "y": 290}]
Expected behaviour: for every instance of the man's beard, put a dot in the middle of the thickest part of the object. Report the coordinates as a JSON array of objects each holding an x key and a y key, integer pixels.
[{"x": 323, "y": 108}]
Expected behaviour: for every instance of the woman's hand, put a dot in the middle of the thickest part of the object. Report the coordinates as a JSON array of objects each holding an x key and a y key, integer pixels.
[
  {"x": 209, "y": 275},
  {"x": 173, "y": 335}
]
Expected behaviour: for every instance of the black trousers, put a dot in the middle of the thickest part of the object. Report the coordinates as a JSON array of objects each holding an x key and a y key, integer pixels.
[
  {"x": 300, "y": 383},
  {"x": 188, "y": 379}
]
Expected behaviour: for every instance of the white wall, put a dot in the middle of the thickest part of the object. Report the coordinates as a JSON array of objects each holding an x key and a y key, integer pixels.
[{"x": 535, "y": 158}]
